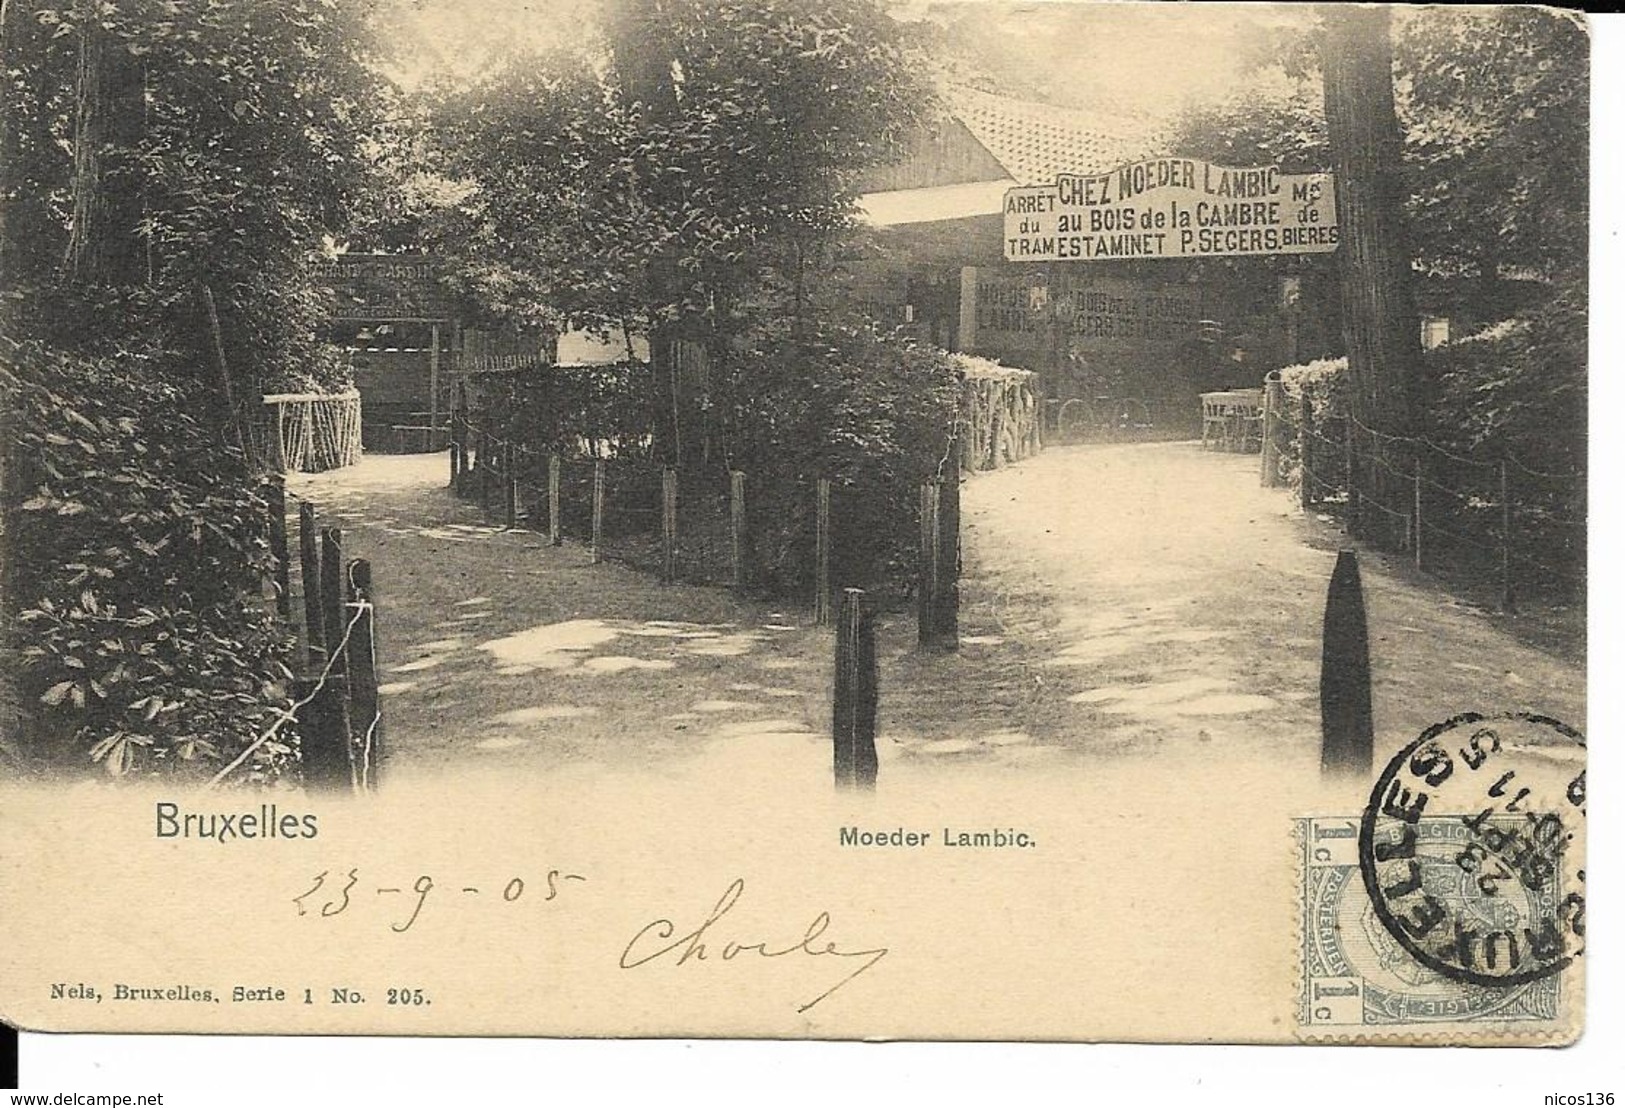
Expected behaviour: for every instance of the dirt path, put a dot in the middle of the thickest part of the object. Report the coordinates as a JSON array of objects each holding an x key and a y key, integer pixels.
[
  {"x": 499, "y": 651},
  {"x": 1118, "y": 600},
  {"x": 1153, "y": 595}
]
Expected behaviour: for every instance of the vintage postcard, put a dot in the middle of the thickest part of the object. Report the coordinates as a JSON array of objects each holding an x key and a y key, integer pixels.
[{"x": 799, "y": 520}]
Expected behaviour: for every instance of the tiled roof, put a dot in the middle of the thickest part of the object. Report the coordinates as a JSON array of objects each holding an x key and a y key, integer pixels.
[{"x": 1034, "y": 142}]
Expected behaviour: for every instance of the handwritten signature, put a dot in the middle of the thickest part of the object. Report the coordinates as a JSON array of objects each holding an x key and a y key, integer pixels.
[{"x": 692, "y": 945}]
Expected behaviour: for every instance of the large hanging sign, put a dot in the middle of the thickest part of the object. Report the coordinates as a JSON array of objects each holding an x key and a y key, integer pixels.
[
  {"x": 386, "y": 287},
  {"x": 1171, "y": 208}
]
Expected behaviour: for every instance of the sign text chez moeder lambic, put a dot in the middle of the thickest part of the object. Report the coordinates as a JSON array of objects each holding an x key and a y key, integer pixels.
[{"x": 1171, "y": 208}]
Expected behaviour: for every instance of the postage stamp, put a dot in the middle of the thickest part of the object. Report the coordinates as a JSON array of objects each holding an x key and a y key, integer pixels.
[{"x": 1458, "y": 896}]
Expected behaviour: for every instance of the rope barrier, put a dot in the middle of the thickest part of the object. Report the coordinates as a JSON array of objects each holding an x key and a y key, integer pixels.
[{"x": 289, "y": 713}]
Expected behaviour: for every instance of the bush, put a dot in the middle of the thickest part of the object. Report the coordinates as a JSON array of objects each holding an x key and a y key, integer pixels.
[
  {"x": 138, "y": 551},
  {"x": 871, "y": 412},
  {"x": 570, "y": 410}
]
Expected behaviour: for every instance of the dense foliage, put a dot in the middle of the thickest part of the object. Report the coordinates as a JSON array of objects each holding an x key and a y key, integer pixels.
[
  {"x": 170, "y": 170},
  {"x": 232, "y": 147},
  {"x": 1493, "y": 102},
  {"x": 653, "y": 173},
  {"x": 136, "y": 553},
  {"x": 871, "y": 412}
]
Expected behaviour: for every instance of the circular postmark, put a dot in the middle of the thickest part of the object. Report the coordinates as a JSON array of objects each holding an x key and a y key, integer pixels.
[{"x": 1471, "y": 848}]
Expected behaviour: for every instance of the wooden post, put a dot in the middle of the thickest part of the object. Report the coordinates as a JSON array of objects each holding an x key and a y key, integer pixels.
[
  {"x": 1306, "y": 493},
  {"x": 462, "y": 448},
  {"x": 1346, "y": 732},
  {"x": 597, "y": 509},
  {"x": 668, "y": 524},
  {"x": 736, "y": 519},
  {"x": 307, "y": 436},
  {"x": 1418, "y": 542},
  {"x": 455, "y": 473},
  {"x": 930, "y": 551},
  {"x": 335, "y": 621},
  {"x": 334, "y": 617},
  {"x": 279, "y": 453},
  {"x": 821, "y": 585},
  {"x": 323, "y": 731},
  {"x": 856, "y": 695},
  {"x": 311, "y": 579},
  {"x": 1268, "y": 475},
  {"x": 482, "y": 462},
  {"x": 277, "y": 508},
  {"x": 555, "y": 530},
  {"x": 1352, "y": 523},
  {"x": 368, "y": 748},
  {"x": 510, "y": 488},
  {"x": 434, "y": 384},
  {"x": 947, "y": 618},
  {"x": 1508, "y": 598}
]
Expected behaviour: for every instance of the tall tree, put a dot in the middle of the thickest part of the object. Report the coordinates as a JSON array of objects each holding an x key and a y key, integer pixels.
[
  {"x": 104, "y": 242},
  {"x": 1380, "y": 325},
  {"x": 685, "y": 156}
]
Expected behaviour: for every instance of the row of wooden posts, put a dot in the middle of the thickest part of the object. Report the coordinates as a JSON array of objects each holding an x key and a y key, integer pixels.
[
  {"x": 491, "y": 465},
  {"x": 1414, "y": 519},
  {"x": 336, "y": 702}
]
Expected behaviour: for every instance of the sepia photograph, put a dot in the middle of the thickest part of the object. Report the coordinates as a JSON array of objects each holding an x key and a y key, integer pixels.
[{"x": 795, "y": 519}]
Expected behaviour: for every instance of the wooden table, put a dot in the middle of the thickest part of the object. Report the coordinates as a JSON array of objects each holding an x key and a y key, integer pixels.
[{"x": 1233, "y": 419}]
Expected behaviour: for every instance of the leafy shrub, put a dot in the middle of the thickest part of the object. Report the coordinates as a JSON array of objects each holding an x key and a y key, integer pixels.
[
  {"x": 1518, "y": 388},
  {"x": 870, "y": 411},
  {"x": 590, "y": 409},
  {"x": 137, "y": 552}
]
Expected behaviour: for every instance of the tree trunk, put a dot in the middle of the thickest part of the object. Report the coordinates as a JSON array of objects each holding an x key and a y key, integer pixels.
[
  {"x": 644, "y": 58},
  {"x": 1380, "y": 325},
  {"x": 104, "y": 245},
  {"x": 1381, "y": 330}
]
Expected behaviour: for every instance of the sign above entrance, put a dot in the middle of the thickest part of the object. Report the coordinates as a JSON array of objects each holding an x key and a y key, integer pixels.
[
  {"x": 378, "y": 288},
  {"x": 1171, "y": 208}
]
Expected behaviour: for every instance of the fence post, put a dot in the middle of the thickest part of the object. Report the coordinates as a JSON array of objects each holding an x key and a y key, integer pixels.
[
  {"x": 1508, "y": 599},
  {"x": 597, "y": 508},
  {"x": 1353, "y": 521},
  {"x": 1346, "y": 733},
  {"x": 333, "y": 595},
  {"x": 1266, "y": 446},
  {"x": 668, "y": 524},
  {"x": 736, "y": 519},
  {"x": 930, "y": 574},
  {"x": 334, "y": 624},
  {"x": 856, "y": 695},
  {"x": 323, "y": 730},
  {"x": 821, "y": 597},
  {"x": 363, "y": 663},
  {"x": 277, "y": 508},
  {"x": 1306, "y": 496},
  {"x": 947, "y": 617},
  {"x": 455, "y": 473},
  {"x": 310, "y": 577},
  {"x": 555, "y": 531},
  {"x": 280, "y": 454},
  {"x": 462, "y": 449},
  {"x": 1416, "y": 531},
  {"x": 510, "y": 488}
]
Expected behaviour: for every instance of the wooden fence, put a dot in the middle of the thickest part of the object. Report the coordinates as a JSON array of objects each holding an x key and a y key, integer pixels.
[
  {"x": 335, "y": 697},
  {"x": 1490, "y": 519},
  {"x": 307, "y": 432},
  {"x": 704, "y": 525},
  {"x": 1001, "y": 412}
]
